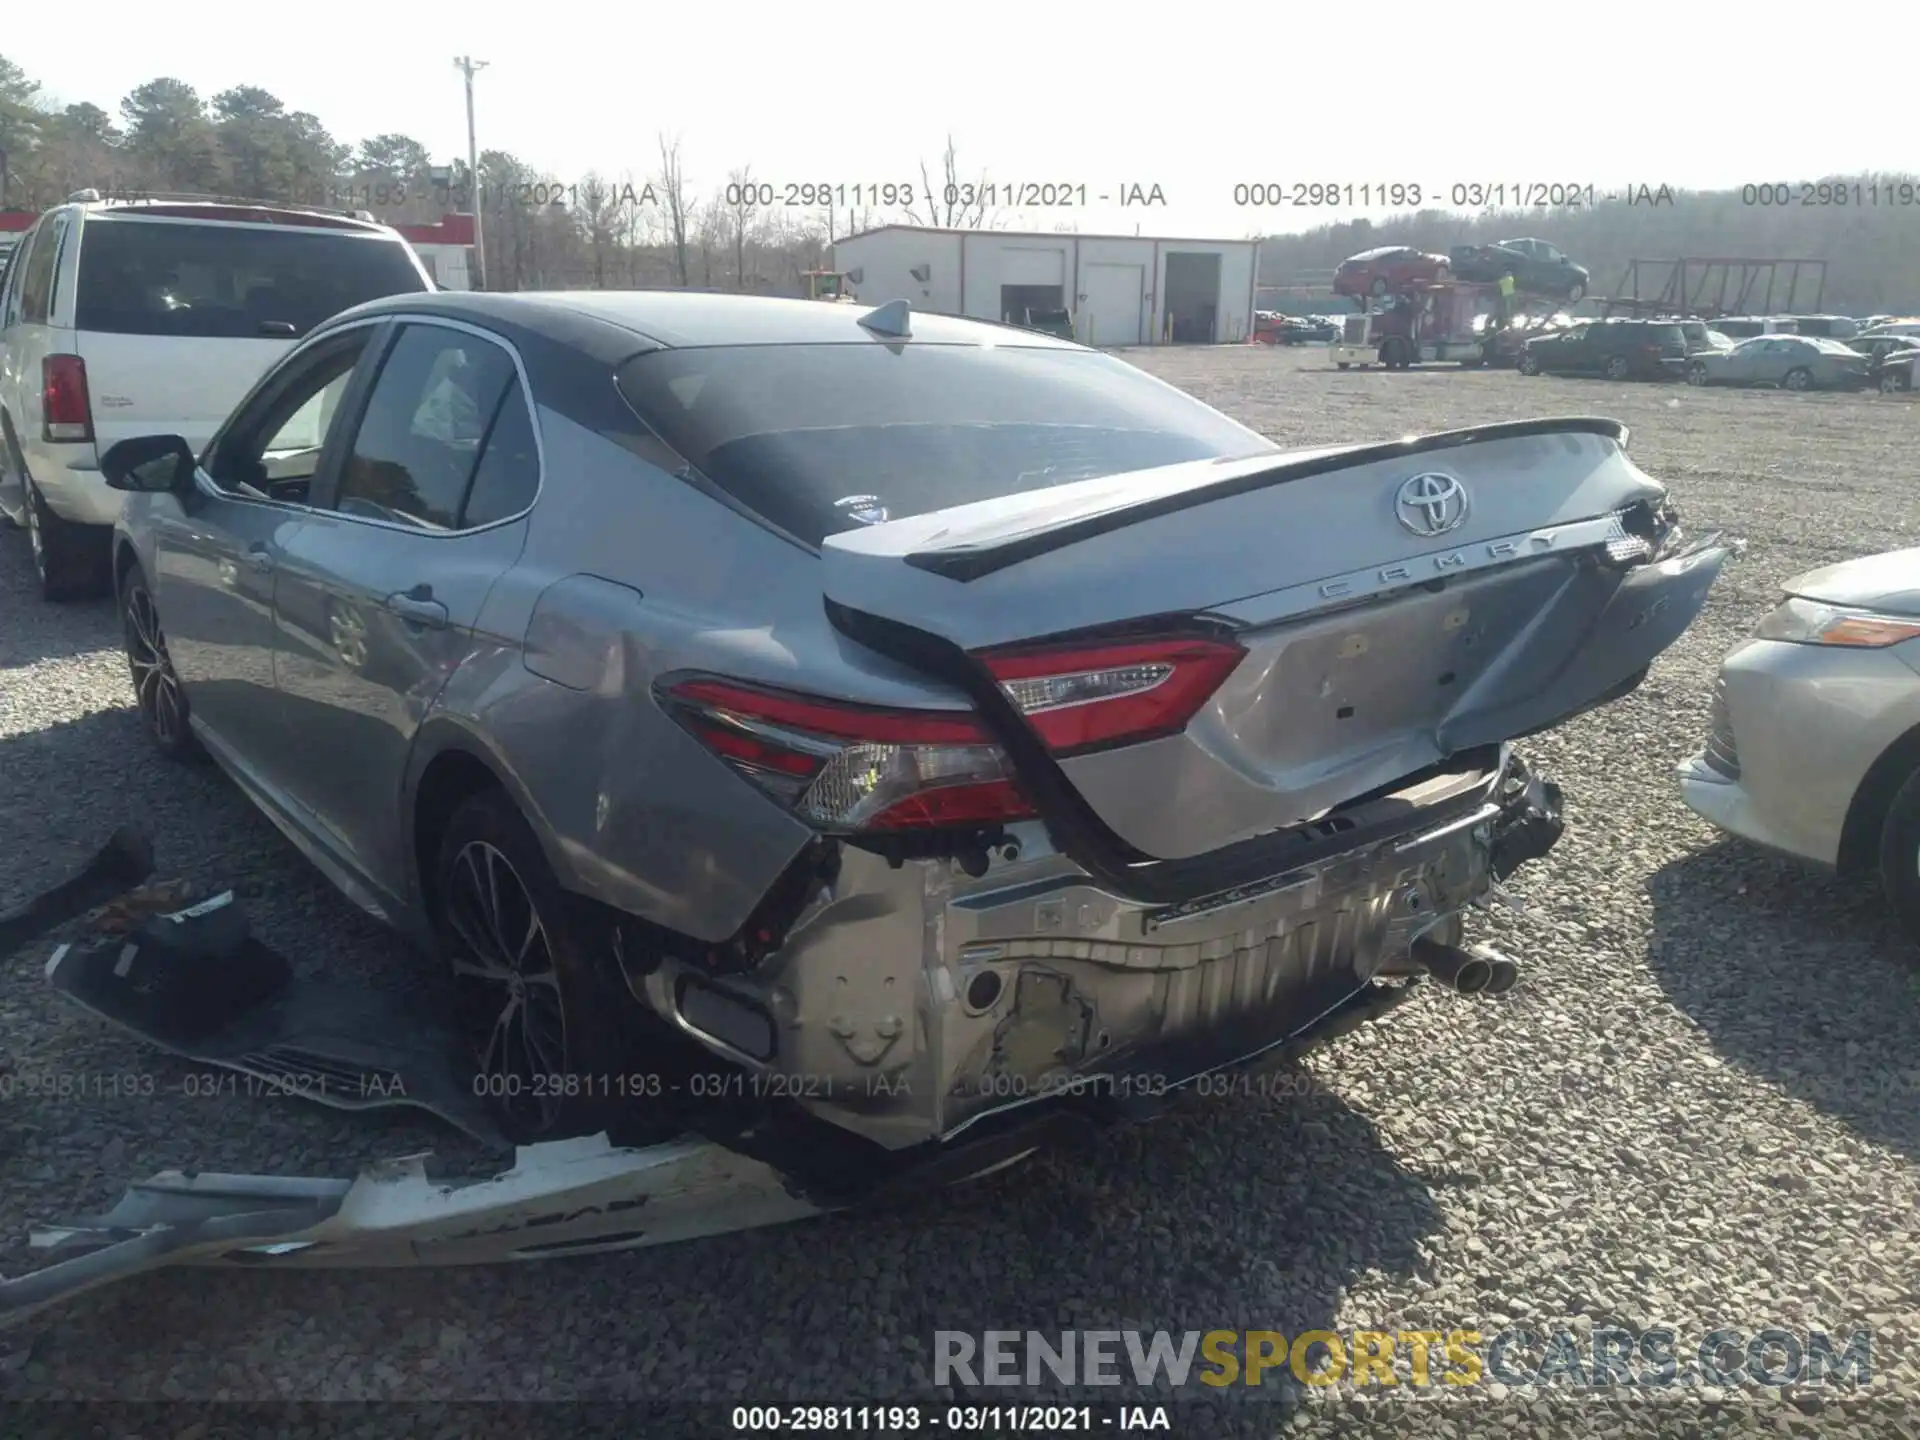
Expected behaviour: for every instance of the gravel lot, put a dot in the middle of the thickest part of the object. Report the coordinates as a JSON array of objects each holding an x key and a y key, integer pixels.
[{"x": 1698, "y": 1109}]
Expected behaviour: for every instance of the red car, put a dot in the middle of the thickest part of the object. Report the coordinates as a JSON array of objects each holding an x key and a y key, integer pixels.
[{"x": 1388, "y": 271}]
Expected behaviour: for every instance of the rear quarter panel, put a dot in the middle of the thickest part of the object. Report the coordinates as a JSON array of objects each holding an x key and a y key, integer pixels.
[{"x": 630, "y": 574}]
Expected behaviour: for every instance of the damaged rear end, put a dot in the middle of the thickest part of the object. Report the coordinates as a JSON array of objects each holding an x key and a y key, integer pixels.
[{"x": 1235, "y": 760}]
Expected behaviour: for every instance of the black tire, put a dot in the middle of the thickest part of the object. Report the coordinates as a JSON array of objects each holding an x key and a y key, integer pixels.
[
  {"x": 69, "y": 560},
  {"x": 1900, "y": 855},
  {"x": 1576, "y": 292},
  {"x": 1618, "y": 367},
  {"x": 541, "y": 1011},
  {"x": 1340, "y": 364},
  {"x": 157, "y": 691},
  {"x": 1529, "y": 365},
  {"x": 1696, "y": 374},
  {"x": 1798, "y": 378}
]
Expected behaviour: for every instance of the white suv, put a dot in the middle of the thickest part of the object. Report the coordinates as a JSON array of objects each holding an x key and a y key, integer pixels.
[{"x": 122, "y": 318}]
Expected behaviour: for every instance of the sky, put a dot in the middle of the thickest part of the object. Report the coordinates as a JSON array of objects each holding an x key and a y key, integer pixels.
[{"x": 1196, "y": 99}]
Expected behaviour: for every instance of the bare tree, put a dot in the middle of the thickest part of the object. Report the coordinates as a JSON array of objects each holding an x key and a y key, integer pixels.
[
  {"x": 672, "y": 188},
  {"x": 957, "y": 203},
  {"x": 710, "y": 235},
  {"x": 742, "y": 204},
  {"x": 597, "y": 203}
]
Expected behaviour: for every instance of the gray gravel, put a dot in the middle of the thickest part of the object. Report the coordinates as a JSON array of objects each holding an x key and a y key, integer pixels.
[{"x": 1697, "y": 1111}]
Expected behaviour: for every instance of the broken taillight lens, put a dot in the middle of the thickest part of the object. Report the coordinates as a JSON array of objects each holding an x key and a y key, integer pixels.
[
  {"x": 1079, "y": 697},
  {"x": 854, "y": 767}
]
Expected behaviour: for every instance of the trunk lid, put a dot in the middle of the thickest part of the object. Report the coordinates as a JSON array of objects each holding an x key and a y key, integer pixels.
[{"x": 1397, "y": 604}]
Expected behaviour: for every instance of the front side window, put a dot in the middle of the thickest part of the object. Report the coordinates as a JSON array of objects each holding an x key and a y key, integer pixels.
[
  {"x": 418, "y": 446},
  {"x": 817, "y": 439},
  {"x": 273, "y": 451}
]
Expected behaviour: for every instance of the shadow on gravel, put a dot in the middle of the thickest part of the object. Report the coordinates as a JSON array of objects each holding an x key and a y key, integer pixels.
[
  {"x": 1220, "y": 1216},
  {"x": 1800, "y": 978}
]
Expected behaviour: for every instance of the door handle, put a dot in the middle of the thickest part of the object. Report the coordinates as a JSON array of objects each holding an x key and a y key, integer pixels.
[{"x": 418, "y": 607}]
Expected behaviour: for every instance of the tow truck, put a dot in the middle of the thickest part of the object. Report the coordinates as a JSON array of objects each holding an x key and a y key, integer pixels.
[{"x": 1433, "y": 322}]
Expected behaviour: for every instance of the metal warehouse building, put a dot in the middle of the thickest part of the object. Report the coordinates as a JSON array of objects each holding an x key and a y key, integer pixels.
[{"x": 1122, "y": 289}]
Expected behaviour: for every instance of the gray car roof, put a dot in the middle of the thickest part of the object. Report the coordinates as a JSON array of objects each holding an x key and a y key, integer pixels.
[{"x": 595, "y": 319}]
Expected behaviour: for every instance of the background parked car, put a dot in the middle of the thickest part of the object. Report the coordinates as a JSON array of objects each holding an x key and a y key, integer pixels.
[
  {"x": 121, "y": 318},
  {"x": 1834, "y": 327},
  {"x": 1745, "y": 327},
  {"x": 1537, "y": 267},
  {"x": 1809, "y": 749},
  {"x": 1793, "y": 362},
  {"x": 1387, "y": 271},
  {"x": 1618, "y": 349},
  {"x": 1881, "y": 350}
]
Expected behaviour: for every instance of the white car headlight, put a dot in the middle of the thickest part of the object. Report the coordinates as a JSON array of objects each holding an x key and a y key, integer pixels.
[{"x": 1808, "y": 622}]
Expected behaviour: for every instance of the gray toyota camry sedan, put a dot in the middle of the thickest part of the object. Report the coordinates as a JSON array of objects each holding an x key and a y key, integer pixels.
[{"x": 931, "y": 723}]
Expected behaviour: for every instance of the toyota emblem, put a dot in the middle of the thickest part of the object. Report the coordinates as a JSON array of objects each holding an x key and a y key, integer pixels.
[{"x": 1431, "y": 504}]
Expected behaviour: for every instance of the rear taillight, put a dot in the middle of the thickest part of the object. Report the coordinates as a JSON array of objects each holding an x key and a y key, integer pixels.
[
  {"x": 854, "y": 767},
  {"x": 1080, "y": 697},
  {"x": 66, "y": 413}
]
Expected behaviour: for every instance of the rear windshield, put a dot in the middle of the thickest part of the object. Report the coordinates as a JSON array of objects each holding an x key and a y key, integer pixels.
[
  {"x": 819, "y": 439},
  {"x": 158, "y": 277}
]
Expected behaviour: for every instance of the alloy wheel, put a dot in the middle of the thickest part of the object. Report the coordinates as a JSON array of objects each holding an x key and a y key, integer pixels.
[
  {"x": 155, "y": 685},
  {"x": 507, "y": 988},
  {"x": 1796, "y": 380},
  {"x": 1889, "y": 384}
]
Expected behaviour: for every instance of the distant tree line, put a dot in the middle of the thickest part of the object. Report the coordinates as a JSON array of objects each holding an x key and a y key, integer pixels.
[{"x": 656, "y": 226}]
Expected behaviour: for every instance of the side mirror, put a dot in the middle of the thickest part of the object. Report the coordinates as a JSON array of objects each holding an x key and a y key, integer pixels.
[{"x": 154, "y": 464}]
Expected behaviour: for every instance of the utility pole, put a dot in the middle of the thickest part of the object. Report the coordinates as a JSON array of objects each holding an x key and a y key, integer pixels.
[{"x": 467, "y": 65}]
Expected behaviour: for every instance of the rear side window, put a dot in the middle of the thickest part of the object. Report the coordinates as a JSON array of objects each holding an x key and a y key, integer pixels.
[
  {"x": 36, "y": 280},
  {"x": 818, "y": 439},
  {"x": 419, "y": 440},
  {"x": 171, "y": 277}
]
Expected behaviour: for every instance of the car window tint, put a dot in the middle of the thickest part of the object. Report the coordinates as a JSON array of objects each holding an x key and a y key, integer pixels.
[
  {"x": 420, "y": 436},
  {"x": 36, "y": 281},
  {"x": 509, "y": 470},
  {"x": 822, "y": 438},
  {"x": 181, "y": 278}
]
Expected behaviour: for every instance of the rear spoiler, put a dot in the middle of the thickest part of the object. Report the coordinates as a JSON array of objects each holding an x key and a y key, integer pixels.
[{"x": 973, "y": 561}]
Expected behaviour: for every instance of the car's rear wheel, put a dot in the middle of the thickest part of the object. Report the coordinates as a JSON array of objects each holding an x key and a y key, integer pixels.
[
  {"x": 1617, "y": 367},
  {"x": 1798, "y": 378},
  {"x": 1529, "y": 364},
  {"x": 156, "y": 687},
  {"x": 68, "y": 559},
  {"x": 540, "y": 1011},
  {"x": 1696, "y": 374},
  {"x": 1575, "y": 293},
  {"x": 1900, "y": 855},
  {"x": 1891, "y": 384}
]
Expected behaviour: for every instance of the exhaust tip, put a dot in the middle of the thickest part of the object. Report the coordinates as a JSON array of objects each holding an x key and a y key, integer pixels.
[
  {"x": 1473, "y": 977},
  {"x": 1505, "y": 975}
]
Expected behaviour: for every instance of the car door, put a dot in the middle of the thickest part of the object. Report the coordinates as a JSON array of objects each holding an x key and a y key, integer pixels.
[
  {"x": 419, "y": 510},
  {"x": 215, "y": 551},
  {"x": 1742, "y": 363}
]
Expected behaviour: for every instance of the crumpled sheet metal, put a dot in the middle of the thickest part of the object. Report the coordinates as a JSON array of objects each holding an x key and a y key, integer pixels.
[{"x": 567, "y": 1197}]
